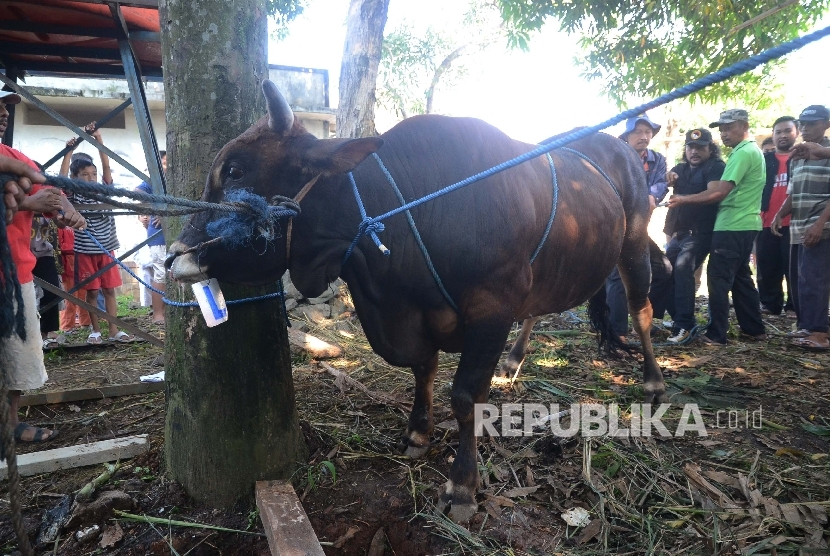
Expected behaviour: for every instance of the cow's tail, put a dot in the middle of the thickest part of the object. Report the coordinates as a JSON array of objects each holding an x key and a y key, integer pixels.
[{"x": 599, "y": 315}]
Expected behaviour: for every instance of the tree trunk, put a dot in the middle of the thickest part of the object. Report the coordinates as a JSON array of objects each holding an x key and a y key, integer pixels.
[
  {"x": 231, "y": 418},
  {"x": 359, "y": 68}
]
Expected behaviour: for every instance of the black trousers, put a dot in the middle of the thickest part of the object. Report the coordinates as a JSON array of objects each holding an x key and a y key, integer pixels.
[
  {"x": 728, "y": 270},
  {"x": 773, "y": 256},
  {"x": 792, "y": 281},
  {"x": 46, "y": 270}
]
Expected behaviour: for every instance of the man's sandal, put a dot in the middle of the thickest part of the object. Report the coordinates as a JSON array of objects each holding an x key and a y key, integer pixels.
[
  {"x": 812, "y": 345},
  {"x": 41, "y": 435},
  {"x": 95, "y": 338},
  {"x": 122, "y": 337}
]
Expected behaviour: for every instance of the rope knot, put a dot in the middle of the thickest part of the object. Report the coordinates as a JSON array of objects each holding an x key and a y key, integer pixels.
[{"x": 370, "y": 227}]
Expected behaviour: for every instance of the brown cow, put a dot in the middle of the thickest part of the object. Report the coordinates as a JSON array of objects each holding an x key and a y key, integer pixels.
[{"x": 480, "y": 239}]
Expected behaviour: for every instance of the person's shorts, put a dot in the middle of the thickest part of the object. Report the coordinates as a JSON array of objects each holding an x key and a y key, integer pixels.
[
  {"x": 159, "y": 253},
  {"x": 24, "y": 359},
  {"x": 87, "y": 265}
]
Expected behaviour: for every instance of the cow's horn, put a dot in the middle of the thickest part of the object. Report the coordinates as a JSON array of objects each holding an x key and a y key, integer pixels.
[{"x": 280, "y": 115}]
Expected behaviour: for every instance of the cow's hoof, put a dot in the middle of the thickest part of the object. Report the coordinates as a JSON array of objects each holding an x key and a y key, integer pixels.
[
  {"x": 460, "y": 500},
  {"x": 462, "y": 513},
  {"x": 655, "y": 393},
  {"x": 416, "y": 444},
  {"x": 507, "y": 370}
]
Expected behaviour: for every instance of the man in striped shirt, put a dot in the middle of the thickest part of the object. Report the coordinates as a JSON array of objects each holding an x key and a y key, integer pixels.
[
  {"x": 809, "y": 204},
  {"x": 89, "y": 258}
]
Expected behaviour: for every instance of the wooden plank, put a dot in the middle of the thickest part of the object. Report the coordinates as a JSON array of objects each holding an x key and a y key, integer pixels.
[
  {"x": 286, "y": 524},
  {"x": 101, "y": 314},
  {"x": 81, "y": 394},
  {"x": 317, "y": 348},
  {"x": 70, "y": 457}
]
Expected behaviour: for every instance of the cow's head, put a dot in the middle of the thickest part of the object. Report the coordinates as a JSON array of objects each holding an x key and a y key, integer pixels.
[{"x": 275, "y": 156}]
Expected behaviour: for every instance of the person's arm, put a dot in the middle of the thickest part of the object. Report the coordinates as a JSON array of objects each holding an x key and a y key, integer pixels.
[
  {"x": 716, "y": 191},
  {"x": 67, "y": 157},
  {"x": 813, "y": 234},
  {"x": 14, "y": 191},
  {"x": 810, "y": 151},
  {"x": 660, "y": 187},
  {"x": 785, "y": 210},
  {"x": 45, "y": 200},
  {"x": 106, "y": 174}
]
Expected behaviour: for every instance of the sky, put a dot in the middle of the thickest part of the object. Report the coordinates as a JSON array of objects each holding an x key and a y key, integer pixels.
[{"x": 528, "y": 95}]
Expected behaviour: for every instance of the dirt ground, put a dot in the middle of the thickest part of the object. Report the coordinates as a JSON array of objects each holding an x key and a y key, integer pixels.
[{"x": 759, "y": 487}]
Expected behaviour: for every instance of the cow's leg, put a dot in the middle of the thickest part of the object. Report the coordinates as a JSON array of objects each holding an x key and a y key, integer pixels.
[
  {"x": 511, "y": 367},
  {"x": 483, "y": 344},
  {"x": 420, "y": 420},
  {"x": 635, "y": 270}
]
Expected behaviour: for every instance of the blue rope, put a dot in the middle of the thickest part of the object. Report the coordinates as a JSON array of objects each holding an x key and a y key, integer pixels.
[
  {"x": 367, "y": 226},
  {"x": 554, "y": 203},
  {"x": 721, "y": 75},
  {"x": 172, "y": 302},
  {"x": 417, "y": 235},
  {"x": 587, "y": 159}
]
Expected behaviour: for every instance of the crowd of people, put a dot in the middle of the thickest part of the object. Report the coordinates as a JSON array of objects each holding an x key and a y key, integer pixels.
[
  {"x": 772, "y": 203},
  {"x": 49, "y": 239}
]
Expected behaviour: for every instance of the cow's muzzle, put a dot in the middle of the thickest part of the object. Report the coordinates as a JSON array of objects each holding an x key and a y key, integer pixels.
[{"x": 183, "y": 263}]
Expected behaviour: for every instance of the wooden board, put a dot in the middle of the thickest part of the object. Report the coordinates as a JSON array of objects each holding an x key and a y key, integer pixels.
[
  {"x": 81, "y": 394},
  {"x": 286, "y": 524},
  {"x": 101, "y": 314},
  {"x": 94, "y": 453}
]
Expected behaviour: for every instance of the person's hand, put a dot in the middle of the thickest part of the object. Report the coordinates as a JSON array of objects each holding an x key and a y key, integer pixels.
[
  {"x": 652, "y": 204},
  {"x": 73, "y": 143},
  {"x": 71, "y": 218},
  {"x": 156, "y": 222},
  {"x": 676, "y": 201},
  {"x": 47, "y": 200},
  {"x": 809, "y": 151},
  {"x": 14, "y": 191},
  {"x": 671, "y": 178},
  {"x": 775, "y": 225},
  {"x": 813, "y": 234}
]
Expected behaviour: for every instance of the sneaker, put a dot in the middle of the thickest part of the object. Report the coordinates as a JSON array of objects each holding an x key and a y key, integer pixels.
[{"x": 681, "y": 336}]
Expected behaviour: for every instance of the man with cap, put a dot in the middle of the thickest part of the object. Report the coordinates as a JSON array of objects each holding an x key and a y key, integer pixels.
[
  {"x": 772, "y": 253},
  {"x": 638, "y": 134},
  {"x": 24, "y": 357},
  {"x": 738, "y": 221},
  {"x": 690, "y": 227},
  {"x": 809, "y": 204}
]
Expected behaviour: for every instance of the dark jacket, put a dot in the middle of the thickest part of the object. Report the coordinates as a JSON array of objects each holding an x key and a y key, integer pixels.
[
  {"x": 695, "y": 218},
  {"x": 771, "y": 162}
]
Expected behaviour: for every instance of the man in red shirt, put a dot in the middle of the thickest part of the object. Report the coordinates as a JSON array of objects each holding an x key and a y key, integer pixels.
[
  {"x": 25, "y": 358},
  {"x": 773, "y": 252}
]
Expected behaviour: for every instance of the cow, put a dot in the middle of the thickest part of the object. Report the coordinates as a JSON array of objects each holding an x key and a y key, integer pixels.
[{"x": 479, "y": 240}]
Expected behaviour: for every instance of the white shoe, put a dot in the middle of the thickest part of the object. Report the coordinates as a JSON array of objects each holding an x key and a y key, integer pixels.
[{"x": 681, "y": 336}]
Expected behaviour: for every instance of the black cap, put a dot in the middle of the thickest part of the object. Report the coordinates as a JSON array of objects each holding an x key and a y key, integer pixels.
[
  {"x": 814, "y": 113},
  {"x": 698, "y": 136}
]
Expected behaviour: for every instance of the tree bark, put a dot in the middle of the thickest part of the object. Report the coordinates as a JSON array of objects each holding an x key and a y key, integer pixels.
[
  {"x": 359, "y": 68},
  {"x": 231, "y": 418}
]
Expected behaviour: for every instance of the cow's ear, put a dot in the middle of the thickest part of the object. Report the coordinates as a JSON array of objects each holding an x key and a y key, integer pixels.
[
  {"x": 280, "y": 115},
  {"x": 338, "y": 156}
]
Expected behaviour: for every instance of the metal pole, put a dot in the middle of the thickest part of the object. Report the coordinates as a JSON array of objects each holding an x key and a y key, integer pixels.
[{"x": 98, "y": 125}]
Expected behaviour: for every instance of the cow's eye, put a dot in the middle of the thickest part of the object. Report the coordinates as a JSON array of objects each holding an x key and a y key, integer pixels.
[{"x": 236, "y": 173}]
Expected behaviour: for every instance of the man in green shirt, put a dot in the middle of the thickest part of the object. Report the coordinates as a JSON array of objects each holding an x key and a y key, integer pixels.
[{"x": 738, "y": 222}]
